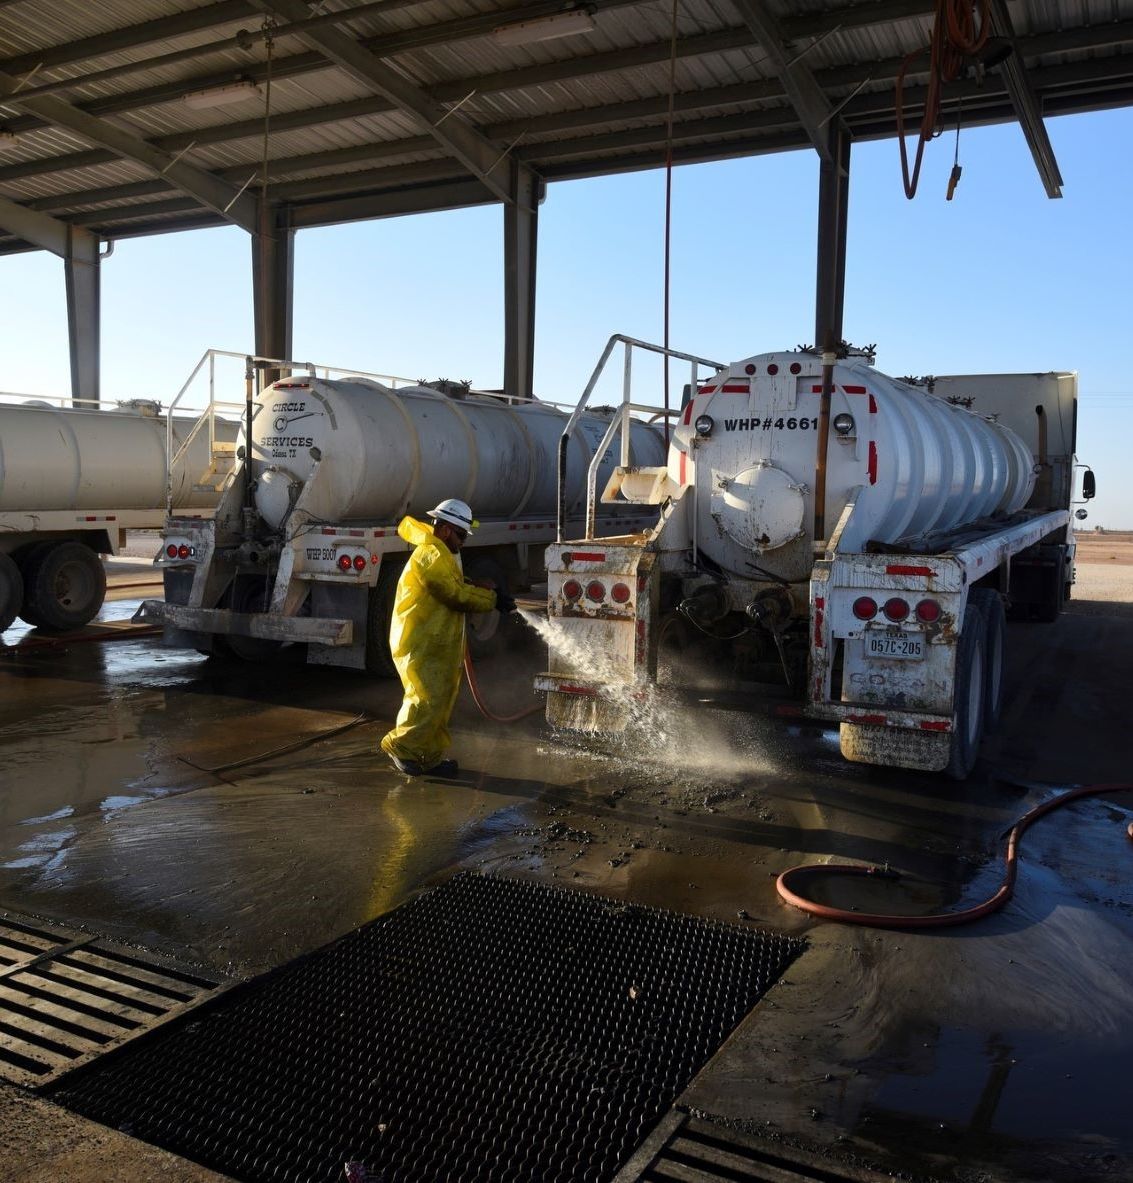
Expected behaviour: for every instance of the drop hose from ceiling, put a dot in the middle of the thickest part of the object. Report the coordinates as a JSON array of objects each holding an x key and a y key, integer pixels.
[{"x": 789, "y": 882}]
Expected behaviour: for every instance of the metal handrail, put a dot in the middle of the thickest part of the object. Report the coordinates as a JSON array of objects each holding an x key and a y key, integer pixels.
[{"x": 619, "y": 422}]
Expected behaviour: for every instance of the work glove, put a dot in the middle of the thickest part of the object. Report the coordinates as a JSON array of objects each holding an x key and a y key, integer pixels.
[{"x": 504, "y": 603}]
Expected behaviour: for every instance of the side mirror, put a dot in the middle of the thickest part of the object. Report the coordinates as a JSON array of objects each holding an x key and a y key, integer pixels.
[{"x": 1089, "y": 484}]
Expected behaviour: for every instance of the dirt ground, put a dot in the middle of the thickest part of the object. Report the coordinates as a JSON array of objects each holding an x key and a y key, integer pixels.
[{"x": 996, "y": 1052}]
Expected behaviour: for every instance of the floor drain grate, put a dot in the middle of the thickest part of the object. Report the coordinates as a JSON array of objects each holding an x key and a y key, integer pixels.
[
  {"x": 66, "y": 997},
  {"x": 490, "y": 1029},
  {"x": 683, "y": 1149}
]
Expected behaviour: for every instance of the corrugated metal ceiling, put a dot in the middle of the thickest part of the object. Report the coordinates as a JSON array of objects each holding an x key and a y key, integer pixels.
[{"x": 574, "y": 106}]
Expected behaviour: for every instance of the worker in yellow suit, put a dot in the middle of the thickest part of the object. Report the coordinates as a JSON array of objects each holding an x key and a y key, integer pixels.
[{"x": 426, "y": 637}]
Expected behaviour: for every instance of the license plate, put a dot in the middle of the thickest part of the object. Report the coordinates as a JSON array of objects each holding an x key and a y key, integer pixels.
[{"x": 905, "y": 646}]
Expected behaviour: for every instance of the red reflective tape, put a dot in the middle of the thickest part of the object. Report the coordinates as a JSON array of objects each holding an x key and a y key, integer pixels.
[
  {"x": 705, "y": 389},
  {"x": 686, "y": 418},
  {"x": 379, "y": 533},
  {"x": 872, "y": 405},
  {"x": 855, "y": 390},
  {"x": 816, "y": 389},
  {"x": 329, "y": 530},
  {"x": 819, "y": 614},
  {"x": 111, "y": 517},
  {"x": 872, "y": 466},
  {"x": 903, "y": 569},
  {"x": 874, "y": 719},
  {"x": 684, "y": 469},
  {"x": 565, "y": 689},
  {"x": 736, "y": 388},
  {"x": 929, "y": 725},
  {"x": 585, "y": 556}
]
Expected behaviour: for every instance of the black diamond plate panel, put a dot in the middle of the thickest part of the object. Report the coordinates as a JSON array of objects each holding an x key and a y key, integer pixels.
[{"x": 490, "y": 1029}]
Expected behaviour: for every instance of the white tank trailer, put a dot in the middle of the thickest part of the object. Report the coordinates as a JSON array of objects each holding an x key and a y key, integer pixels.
[
  {"x": 881, "y": 603},
  {"x": 304, "y": 547},
  {"x": 72, "y": 482}
]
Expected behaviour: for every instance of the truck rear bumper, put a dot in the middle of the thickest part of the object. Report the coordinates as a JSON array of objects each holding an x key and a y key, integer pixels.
[
  {"x": 302, "y": 629},
  {"x": 866, "y": 715}
]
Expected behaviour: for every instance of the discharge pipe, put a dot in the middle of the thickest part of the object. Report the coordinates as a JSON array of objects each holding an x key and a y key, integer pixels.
[{"x": 828, "y": 359}]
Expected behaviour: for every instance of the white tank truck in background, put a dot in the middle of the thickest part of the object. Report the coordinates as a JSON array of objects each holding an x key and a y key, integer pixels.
[
  {"x": 304, "y": 545},
  {"x": 946, "y": 501},
  {"x": 73, "y": 480}
]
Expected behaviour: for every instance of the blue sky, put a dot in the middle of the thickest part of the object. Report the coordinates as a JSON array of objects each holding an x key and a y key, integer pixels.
[{"x": 1000, "y": 279}]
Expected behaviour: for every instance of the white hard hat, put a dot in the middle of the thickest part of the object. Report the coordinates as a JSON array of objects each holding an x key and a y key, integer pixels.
[{"x": 456, "y": 513}]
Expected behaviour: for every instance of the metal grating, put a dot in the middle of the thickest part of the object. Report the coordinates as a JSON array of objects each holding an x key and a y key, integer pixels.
[
  {"x": 683, "y": 1149},
  {"x": 66, "y": 998},
  {"x": 489, "y": 1029}
]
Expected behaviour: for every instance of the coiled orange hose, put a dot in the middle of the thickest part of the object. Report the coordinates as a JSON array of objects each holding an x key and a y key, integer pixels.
[
  {"x": 938, "y": 919},
  {"x": 470, "y": 674}
]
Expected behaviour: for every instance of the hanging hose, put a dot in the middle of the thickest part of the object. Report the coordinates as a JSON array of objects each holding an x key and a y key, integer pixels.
[
  {"x": 955, "y": 39},
  {"x": 470, "y": 674},
  {"x": 938, "y": 919}
]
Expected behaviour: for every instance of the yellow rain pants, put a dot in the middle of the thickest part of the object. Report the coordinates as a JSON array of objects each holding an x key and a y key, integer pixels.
[{"x": 426, "y": 640}]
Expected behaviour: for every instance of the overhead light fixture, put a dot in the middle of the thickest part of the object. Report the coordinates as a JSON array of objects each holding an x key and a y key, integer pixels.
[
  {"x": 548, "y": 28},
  {"x": 221, "y": 96}
]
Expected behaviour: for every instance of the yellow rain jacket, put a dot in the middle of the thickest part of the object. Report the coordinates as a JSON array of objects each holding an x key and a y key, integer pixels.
[{"x": 426, "y": 640}]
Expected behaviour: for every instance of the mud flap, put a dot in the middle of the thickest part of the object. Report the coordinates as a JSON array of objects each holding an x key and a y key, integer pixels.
[{"x": 898, "y": 747}]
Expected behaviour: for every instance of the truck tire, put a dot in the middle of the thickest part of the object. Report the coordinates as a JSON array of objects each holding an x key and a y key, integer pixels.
[
  {"x": 246, "y": 595},
  {"x": 969, "y": 695},
  {"x": 11, "y": 591},
  {"x": 990, "y": 603},
  {"x": 379, "y": 613},
  {"x": 64, "y": 586}
]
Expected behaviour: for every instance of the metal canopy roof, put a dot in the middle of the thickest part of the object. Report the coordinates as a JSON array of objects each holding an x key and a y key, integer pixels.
[{"x": 397, "y": 106}]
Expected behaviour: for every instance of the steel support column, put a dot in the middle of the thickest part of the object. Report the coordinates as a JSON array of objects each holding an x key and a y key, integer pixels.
[
  {"x": 83, "y": 271},
  {"x": 78, "y": 248},
  {"x": 521, "y": 231},
  {"x": 273, "y": 283},
  {"x": 833, "y": 205}
]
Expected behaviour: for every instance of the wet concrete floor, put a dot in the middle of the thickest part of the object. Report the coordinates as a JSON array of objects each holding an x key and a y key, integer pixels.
[{"x": 995, "y": 1051}]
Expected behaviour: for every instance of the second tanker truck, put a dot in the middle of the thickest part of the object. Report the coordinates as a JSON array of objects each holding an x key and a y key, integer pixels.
[
  {"x": 304, "y": 550},
  {"x": 858, "y": 536}
]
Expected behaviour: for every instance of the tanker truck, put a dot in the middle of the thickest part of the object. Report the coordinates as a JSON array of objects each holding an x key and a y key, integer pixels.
[
  {"x": 856, "y": 537},
  {"x": 304, "y": 550},
  {"x": 73, "y": 480}
]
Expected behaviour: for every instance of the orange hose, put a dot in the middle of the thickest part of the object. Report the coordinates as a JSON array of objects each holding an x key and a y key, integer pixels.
[
  {"x": 938, "y": 919},
  {"x": 474, "y": 687}
]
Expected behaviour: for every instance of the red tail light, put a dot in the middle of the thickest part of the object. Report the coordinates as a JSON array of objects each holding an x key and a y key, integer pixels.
[
  {"x": 928, "y": 611},
  {"x": 619, "y": 593},
  {"x": 865, "y": 607},
  {"x": 344, "y": 562},
  {"x": 596, "y": 591},
  {"x": 182, "y": 551},
  {"x": 572, "y": 589},
  {"x": 171, "y": 550},
  {"x": 359, "y": 562},
  {"x": 896, "y": 609}
]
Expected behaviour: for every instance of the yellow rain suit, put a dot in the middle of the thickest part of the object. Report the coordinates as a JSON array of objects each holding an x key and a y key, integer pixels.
[{"x": 426, "y": 640}]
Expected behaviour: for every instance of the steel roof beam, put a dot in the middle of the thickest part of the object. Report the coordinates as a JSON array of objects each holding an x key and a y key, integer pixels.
[
  {"x": 237, "y": 207},
  {"x": 486, "y": 160},
  {"x": 806, "y": 96},
  {"x": 1014, "y": 75},
  {"x": 808, "y": 24}
]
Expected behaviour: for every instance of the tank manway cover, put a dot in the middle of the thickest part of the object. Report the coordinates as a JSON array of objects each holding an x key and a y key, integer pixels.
[
  {"x": 489, "y": 1029},
  {"x": 760, "y": 508}
]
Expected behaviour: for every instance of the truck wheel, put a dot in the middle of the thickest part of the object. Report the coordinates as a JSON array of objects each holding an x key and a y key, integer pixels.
[
  {"x": 969, "y": 694},
  {"x": 247, "y": 595},
  {"x": 11, "y": 590},
  {"x": 990, "y": 603},
  {"x": 379, "y": 613},
  {"x": 64, "y": 586}
]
